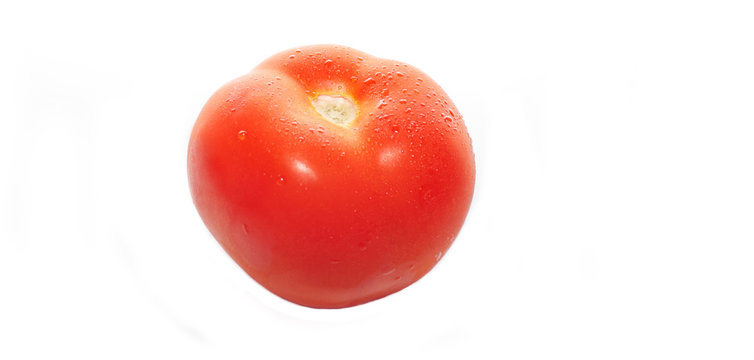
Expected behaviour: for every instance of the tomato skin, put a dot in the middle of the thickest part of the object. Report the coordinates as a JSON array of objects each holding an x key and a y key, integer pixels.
[{"x": 324, "y": 215}]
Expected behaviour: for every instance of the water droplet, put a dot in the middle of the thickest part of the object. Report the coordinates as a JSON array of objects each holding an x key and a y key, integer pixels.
[
  {"x": 321, "y": 130},
  {"x": 402, "y": 101},
  {"x": 292, "y": 57},
  {"x": 419, "y": 79},
  {"x": 242, "y": 135},
  {"x": 411, "y": 267},
  {"x": 408, "y": 110},
  {"x": 294, "y": 122},
  {"x": 245, "y": 229},
  {"x": 277, "y": 78},
  {"x": 281, "y": 180},
  {"x": 397, "y": 278},
  {"x": 385, "y": 92},
  {"x": 381, "y": 104},
  {"x": 298, "y": 50},
  {"x": 387, "y": 270},
  {"x": 451, "y": 112},
  {"x": 300, "y": 139},
  {"x": 359, "y": 58},
  {"x": 369, "y": 81},
  {"x": 328, "y": 62},
  {"x": 448, "y": 119}
]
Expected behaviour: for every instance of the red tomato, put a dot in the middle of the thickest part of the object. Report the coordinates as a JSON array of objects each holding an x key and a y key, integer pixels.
[{"x": 332, "y": 177}]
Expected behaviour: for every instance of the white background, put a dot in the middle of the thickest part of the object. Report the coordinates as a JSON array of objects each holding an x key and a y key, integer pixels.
[{"x": 613, "y": 214}]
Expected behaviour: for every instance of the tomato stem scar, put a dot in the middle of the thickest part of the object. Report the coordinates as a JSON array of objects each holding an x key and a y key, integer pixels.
[{"x": 336, "y": 109}]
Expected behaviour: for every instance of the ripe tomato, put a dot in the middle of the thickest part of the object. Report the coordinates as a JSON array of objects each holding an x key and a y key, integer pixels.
[{"x": 332, "y": 177}]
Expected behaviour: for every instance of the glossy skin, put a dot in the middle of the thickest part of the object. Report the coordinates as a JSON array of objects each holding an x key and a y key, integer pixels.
[{"x": 324, "y": 215}]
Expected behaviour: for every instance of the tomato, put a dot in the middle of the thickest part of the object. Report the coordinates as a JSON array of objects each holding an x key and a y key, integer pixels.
[{"x": 332, "y": 177}]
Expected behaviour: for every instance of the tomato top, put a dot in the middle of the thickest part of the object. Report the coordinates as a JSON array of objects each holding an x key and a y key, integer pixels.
[{"x": 331, "y": 176}]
